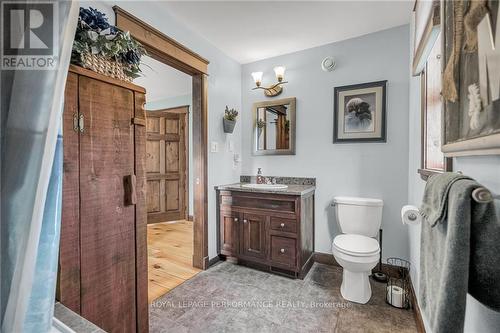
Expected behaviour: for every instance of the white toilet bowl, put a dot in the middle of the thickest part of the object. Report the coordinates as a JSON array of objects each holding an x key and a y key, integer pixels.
[{"x": 358, "y": 255}]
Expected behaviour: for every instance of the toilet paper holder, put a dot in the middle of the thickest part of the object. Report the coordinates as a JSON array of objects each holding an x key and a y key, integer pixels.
[
  {"x": 412, "y": 216},
  {"x": 398, "y": 287}
]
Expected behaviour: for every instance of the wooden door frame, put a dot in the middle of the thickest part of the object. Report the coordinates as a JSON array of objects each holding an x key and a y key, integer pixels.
[
  {"x": 184, "y": 110},
  {"x": 163, "y": 48}
]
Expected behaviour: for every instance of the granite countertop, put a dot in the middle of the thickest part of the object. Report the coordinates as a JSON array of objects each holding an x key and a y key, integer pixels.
[{"x": 291, "y": 190}]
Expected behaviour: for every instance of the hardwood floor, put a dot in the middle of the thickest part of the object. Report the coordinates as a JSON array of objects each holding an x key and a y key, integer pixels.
[{"x": 170, "y": 255}]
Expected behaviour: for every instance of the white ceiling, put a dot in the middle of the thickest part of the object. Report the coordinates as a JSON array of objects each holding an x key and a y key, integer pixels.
[
  {"x": 162, "y": 81},
  {"x": 249, "y": 31}
]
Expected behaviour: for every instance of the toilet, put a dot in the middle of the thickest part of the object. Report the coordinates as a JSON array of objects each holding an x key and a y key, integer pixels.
[{"x": 356, "y": 249}]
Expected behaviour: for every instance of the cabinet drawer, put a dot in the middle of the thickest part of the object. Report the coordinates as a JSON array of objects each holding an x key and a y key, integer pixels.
[
  {"x": 281, "y": 224},
  {"x": 283, "y": 251},
  {"x": 269, "y": 204}
]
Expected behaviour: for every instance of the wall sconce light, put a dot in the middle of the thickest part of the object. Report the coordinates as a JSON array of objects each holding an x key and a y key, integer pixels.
[{"x": 276, "y": 88}]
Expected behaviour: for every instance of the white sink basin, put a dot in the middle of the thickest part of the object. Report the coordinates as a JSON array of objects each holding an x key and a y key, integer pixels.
[{"x": 265, "y": 186}]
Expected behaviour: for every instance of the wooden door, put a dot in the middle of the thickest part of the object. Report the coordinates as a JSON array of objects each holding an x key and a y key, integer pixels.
[
  {"x": 107, "y": 227},
  {"x": 166, "y": 164},
  {"x": 253, "y": 236},
  {"x": 68, "y": 291},
  {"x": 229, "y": 222}
]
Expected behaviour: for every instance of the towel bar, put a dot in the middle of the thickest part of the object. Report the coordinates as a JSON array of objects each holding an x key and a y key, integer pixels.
[{"x": 483, "y": 195}]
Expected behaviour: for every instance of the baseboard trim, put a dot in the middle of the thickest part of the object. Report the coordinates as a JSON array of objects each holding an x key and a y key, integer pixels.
[
  {"x": 416, "y": 310},
  {"x": 325, "y": 258},
  {"x": 213, "y": 261}
]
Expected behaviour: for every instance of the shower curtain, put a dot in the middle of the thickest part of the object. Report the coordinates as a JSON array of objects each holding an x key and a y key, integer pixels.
[{"x": 31, "y": 183}]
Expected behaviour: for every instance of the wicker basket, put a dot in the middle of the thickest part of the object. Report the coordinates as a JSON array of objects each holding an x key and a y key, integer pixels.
[{"x": 104, "y": 66}]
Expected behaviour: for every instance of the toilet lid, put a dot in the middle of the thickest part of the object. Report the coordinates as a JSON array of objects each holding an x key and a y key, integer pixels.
[{"x": 356, "y": 244}]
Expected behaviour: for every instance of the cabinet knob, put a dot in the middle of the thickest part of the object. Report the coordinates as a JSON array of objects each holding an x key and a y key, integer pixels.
[
  {"x": 282, "y": 250},
  {"x": 245, "y": 221},
  {"x": 282, "y": 225},
  {"x": 235, "y": 219}
]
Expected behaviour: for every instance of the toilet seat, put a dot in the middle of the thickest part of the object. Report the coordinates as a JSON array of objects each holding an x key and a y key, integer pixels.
[{"x": 356, "y": 245}]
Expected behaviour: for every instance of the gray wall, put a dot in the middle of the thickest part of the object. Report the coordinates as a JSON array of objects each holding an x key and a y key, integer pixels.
[
  {"x": 224, "y": 88},
  {"x": 484, "y": 169},
  {"x": 376, "y": 170}
]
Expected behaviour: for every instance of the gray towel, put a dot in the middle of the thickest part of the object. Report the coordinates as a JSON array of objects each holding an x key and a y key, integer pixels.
[
  {"x": 460, "y": 246},
  {"x": 435, "y": 201}
]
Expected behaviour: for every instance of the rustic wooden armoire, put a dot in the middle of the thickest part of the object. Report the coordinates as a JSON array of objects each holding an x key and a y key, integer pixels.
[{"x": 103, "y": 254}]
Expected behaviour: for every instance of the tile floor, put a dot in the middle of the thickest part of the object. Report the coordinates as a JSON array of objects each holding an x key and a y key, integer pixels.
[{"x": 232, "y": 298}]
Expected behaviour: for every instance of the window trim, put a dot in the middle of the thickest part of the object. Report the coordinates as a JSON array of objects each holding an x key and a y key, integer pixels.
[{"x": 424, "y": 172}]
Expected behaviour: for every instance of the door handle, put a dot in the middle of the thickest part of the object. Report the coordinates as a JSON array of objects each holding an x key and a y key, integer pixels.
[
  {"x": 245, "y": 221},
  {"x": 130, "y": 191},
  {"x": 235, "y": 219}
]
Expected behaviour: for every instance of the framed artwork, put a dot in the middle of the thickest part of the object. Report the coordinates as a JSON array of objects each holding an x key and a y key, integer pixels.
[
  {"x": 359, "y": 113},
  {"x": 471, "y": 76}
]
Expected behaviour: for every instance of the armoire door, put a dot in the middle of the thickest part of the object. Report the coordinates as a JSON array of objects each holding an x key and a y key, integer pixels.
[
  {"x": 107, "y": 225},
  {"x": 166, "y": 164}
]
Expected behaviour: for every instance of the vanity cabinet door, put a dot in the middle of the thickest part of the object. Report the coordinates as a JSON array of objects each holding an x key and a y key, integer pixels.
[
  {"x": 229, "y": 232},
  {"x": 253, "y": 236}
]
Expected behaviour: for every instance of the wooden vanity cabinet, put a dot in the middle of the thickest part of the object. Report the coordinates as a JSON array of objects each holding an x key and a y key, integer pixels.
[
  {"x": 269, "y": 231},
  {"x": 229, "y": 232}
]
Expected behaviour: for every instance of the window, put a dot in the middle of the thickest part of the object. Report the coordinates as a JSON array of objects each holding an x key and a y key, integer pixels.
[{"x": 432, "y": 160}]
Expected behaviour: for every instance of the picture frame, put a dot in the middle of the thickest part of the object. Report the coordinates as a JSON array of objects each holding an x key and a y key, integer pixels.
[
  {"x": 463, "y": 134},
  {"x": 360, "y": 113}
]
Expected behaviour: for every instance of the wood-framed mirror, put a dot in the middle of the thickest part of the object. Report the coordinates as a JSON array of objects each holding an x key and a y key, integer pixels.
[{"x": 274, "y": 127}]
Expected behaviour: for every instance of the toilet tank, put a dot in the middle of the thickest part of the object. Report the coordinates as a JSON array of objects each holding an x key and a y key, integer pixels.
[{"x": 361, "y": 216}]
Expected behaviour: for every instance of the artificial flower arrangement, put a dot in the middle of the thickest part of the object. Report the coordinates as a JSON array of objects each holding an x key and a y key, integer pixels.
[
  {"x": 104, "y": 48},
  {"x": 230, "y": 114}
]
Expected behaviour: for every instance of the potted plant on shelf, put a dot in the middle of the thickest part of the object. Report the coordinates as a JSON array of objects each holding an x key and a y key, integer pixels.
[
  {"x": 230, "y": 116},
  {"x": 105, "y": 49}
]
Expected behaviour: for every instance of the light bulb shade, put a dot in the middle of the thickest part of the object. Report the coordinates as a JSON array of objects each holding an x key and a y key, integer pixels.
[
  {"x": 257, "y": 77},
  {"x": 280, "y": 72}
]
